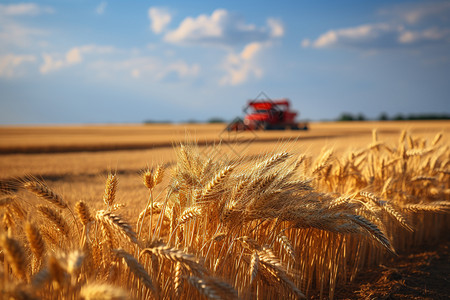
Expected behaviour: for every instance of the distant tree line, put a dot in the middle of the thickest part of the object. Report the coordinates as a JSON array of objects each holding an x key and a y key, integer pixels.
[{"x": 398, "y": 117}]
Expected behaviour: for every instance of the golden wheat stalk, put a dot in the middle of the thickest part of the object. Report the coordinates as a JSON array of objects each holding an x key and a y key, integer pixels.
[
  {"x": 110, "y": 189},
  {"x": 178, "y": 280},
  {"x": 286, "y": 244},
  {"x": 137, "y": 269},
  {"x": 147, "y": 179},
  {"x": 213, "y": 288},
  {"x": 35, "y": 241},
  {"x": 56, "y": 218},
  {"x": 254, "y": 264},
  {"x": 437, "y": 139},
  {"x": 189, "y": 213},
  {"x": 15, "y": 256},
  {"x": 154, "y": 208},
  {"x": 211, "y": 188},
  {"x": 373, "y": 230},
  {"x": 388, "y": 208},
  {"x": 273, "y": 266},
  {"x": 187, "y": 260},
  {"x": 43, "y": 191},
  {"x": 323, "y": 161},
  {"x": 116, "y": 224},
  {"x": 83, "y": 212},
  {"x": 437, "y": 206},
  {"x": 271, "y": 162},
  {"x": 159, "y": 174}
]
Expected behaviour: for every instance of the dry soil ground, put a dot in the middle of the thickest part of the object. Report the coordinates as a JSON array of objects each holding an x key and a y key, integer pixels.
[{"x": 74, "y": 160}]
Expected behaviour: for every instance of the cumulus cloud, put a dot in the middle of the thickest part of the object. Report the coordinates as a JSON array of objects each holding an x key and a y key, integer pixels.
[
  {"x": 15, "y": 34},
  {"x": 378, "y": 36},
  {"x": 10, "y": 63},
  {"x": 276, "y": 27},
  {"x": 159, "y": 19},
  {"x": 100, "y": 10},
  {"x": 363, "y": 36},
  {"x": 24, "y": 9},
  {"x": 222, "y": 28},
  {"x": 73, "y": 56},
  {"x": 241, "y": 67},
  {"x": 416, "y": 13},
  {"x": 426, "y": 36},
  {"x": 409, "y": 26}
]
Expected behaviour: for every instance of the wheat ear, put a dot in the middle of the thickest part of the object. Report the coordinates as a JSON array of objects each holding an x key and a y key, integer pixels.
[
  {"x": 36, "y": 241},
  {"x": 213, "y": 288},
  {"x": 56, "y": 218},
  {"x": 159, "y": 174},
  {"x": 373, "y": 230},
  {"x": 15, "y": 255},
  {"x": 83, "y": 212},
  {"x": 189, "y": 261},
  {"x": 137, "y": 269},
  {"x": 110, "y": 189},
  {"x": 189, "y": 214},
  {"x": 254, "y": 264},
  {"x": 212, "y": 187},
  {"x": 117, "y": 224},
  {"x": 43, "y": 191},
  {"x": 178, "y": 280}
]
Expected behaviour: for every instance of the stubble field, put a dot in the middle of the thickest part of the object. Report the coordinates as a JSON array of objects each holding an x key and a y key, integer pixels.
[{"x": 370, "y": 184}]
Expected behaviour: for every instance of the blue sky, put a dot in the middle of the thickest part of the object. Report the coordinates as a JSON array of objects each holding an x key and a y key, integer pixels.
[{"x": 130, "y": 61}]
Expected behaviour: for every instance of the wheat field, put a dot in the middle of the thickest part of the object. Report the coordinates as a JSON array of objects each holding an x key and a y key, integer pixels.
[{"x": 282, "y": 215}]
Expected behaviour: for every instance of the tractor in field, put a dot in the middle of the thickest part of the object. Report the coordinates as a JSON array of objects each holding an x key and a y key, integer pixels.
[{"x": 267, "y": 114}]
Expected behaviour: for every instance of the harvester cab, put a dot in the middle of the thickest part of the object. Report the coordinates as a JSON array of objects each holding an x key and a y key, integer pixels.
[{"x": 269, "y": 114}]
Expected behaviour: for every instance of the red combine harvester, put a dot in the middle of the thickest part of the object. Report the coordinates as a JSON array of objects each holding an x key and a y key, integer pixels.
[{"x": 267, "y": 114}]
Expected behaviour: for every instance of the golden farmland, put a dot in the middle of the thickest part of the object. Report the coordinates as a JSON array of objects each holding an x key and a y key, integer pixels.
[{"x": 279, "y": 214}]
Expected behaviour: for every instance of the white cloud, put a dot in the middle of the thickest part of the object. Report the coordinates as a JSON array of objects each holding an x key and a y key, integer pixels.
[
  {"x": 10, "y": 63},
  {"x": 276, "y": 27},
  {"x": 222, "y": 28},
  {"x": 410, "y": 26},
  {"x": 100, "y": 10},
  {"x": 72, "y": 57},
  {"x": 363, "y": 36},
  {"x": 378, "y": 36},
  {"x": 424, "y": 36},
  {"x": 24, "y": 9},
  {"x": 417, "y": 13},
  {"x": 240, "y": 67},
  {"x": 159, "y": 19},
  {"x": 12, "y": 33},
  {"x": 51, "y": 64}
]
